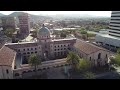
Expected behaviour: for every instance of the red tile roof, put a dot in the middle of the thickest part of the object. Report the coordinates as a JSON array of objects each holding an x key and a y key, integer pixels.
[
  {"x": 87, "y": 47},
  {"x": 7, "y": 56}
]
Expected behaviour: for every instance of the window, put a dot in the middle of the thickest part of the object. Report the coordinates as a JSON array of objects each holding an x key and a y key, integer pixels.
[
  {"x": 31, "y": 52},
  {"x": 55, "y": 53},
  {"x": 68, "y": 44},
  {"x": 64, "y": 48},
  {"x": 28, "y": 49},
  {"x": 61, "y": 45},
  {"x": 64, "y": 45},
  {"x": 24, "y": 53},
  {"x": 58, "y": 45},
  {"x": 45, "y": 46},
  {"x": 28, "y": 52},
  {"x": 35, "y": 48},
  {"x": 61, "y": 48},
  {"x": 55, "y": 49},
  {"x": 23, "y": 49},
  {"x": 18, "y": 50},
  {"x": 7, "y": 71},
  {"x": 58, "y": 49},
  {"x": 90, "y": 58},
  {"x": 31, "y": 48},
  {"x": 35, "y": 51},
  {"x": 99, "y": 55},
  {"x": 55, "y": 46},
  {"x": 106, "y": 56}
]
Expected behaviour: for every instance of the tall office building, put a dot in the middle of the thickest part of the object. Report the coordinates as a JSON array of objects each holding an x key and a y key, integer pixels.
[
  {"x": 24, "y": 24},
  {"x": 9, "y": 22},
  {"x": 115, "y": 24},
  {"x": 112, "y": 39}
]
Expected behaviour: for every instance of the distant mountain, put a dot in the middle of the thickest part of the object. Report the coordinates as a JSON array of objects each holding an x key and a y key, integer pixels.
[
  {"x": 76, "y": 16},
  {"x": 34, "y": 18}
]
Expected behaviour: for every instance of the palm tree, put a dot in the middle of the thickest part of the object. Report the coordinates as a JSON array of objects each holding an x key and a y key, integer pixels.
[
  {"x": 34, "y": 61},
  {"x": 73, "y": 59}
]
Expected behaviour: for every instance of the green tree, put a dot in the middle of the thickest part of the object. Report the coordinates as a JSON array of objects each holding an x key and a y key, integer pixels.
[
  {"x": 90, "y": 35},
  {"x": 118, "y": 51},
  {"x": 63, "y": 35},
  {"x": 73, "y": 59},
  {"x": 34, "y": 61},
  {"x": 115, "y": 60},
  {"x": 83, "y": 32},
  {"x": 83, "y": 65},
  {"x": 34, "y": 33},
  {"x": 8, "y": 32},
  {"x": 89, "y": 75}
]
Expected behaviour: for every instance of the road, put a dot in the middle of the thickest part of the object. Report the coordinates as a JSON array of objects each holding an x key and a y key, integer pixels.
[{"x": 108, "y": 75}]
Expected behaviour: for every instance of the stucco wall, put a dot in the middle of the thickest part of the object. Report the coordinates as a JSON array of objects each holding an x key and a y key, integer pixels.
[
  {"x": 94, "y": 56},
  {"x": 4, "y": 74}
]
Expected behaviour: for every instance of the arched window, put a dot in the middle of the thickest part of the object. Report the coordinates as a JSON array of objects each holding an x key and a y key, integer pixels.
[
  {"x": 90, "y": 58},
  {"x": 7, "y": 71},
  {"x": 99, "y": 55},
  {"x": 106, "y": 56}
]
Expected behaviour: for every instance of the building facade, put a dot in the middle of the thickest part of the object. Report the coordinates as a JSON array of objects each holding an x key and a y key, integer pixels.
[
  {"x": 7, "y": 62},
  {"x": 45, "y": 47},
  {"x": 96, "y": 55},
  {"x": 24, "y": 24}
]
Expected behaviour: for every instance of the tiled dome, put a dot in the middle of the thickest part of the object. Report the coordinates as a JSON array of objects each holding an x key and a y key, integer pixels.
[{"x": 44, "y": 30}]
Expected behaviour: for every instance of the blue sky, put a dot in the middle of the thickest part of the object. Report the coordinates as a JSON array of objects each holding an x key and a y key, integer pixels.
[{"x": 96, "y": 13}]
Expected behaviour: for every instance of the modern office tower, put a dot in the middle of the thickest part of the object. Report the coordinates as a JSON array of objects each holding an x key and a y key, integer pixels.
[
  {"x": 115, "y": 24},
  {"x": 112, "y": 39},
  {"x": 8, "y": 22},
  {"x": 24, "y": 24}
]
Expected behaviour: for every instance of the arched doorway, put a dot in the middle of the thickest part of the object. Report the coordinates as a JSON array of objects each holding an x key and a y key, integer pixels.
[
  {"x": 46, "y": 54},
  {"x": 99, "y": 56}
]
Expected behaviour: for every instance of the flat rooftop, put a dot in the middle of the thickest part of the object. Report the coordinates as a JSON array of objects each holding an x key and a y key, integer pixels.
[
  {"x": 108, "y": 36},
  {"x": 63, "y": 39}
]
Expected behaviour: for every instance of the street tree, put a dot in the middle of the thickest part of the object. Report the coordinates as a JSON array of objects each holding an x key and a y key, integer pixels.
[
  {"x": 73, "y": 59},
  {"x": 83, "y": 65},
  {"x": 34, "y": 61}
]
